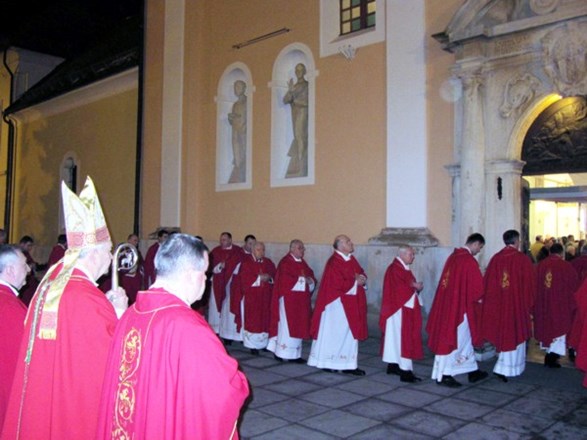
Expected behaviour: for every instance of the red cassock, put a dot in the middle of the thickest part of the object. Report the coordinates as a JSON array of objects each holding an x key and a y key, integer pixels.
[
  {"x": 298, "y": 305},
  {"x": 459, "y": 291},
  {"x": 28, "y": 290},
  {"x": 509, "y": 298},
  {"x": 397, "y": 290},
  {"x": 230, "y": 257},
  {"x": 257, "y": 299},
  {"x": 168, "y": 376},
  {"x": 338, "y": 278},
  {"x": 579, "y": 332},
  {"x": 12, "y": 314},
  {"x": 555, "y": 305},
  {"x": 236, "y": 294},
  {"x": 60, "y": 388},
  {"x": 132, "y": 282},
  {"x": 580, "y": 265},
  {"x": 57, "y": 253},
  {"x": 149, "y": 264}
]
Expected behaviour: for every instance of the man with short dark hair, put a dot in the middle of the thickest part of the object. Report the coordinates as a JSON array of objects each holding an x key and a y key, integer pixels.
[
  {"x": 13, "y": 271},
  {"x": 27, "y": 291},
  {"x": 58, "y": 250},
  {"x": 339, "y": 320},
  {"x": 555, "y": 304},
  {"x": 165, "y": 357},
  {"x": 452, "y": 324},
  {"x": 507, "y": 304}
]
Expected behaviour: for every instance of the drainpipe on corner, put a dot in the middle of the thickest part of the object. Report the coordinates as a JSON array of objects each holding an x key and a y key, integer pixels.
[{"x": 9, "y": 156}]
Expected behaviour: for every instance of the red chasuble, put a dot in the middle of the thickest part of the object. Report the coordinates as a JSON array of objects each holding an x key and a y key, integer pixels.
[
  {"x": 580, "y": 265},
  {"x": 459, "y": 291},
  {"x": 579, "y": 333},
  {"x": 338, "y": 278},
  {"x": 28, "y": 290},
  {"x": 297, "y": 304},
  {"x": 168, "y": 376},
  {"x": 236, "y": 293},
  {"x": 60, "y": 388},
  {"x": 397, "y": 291},
  {"x": 230, "y": 257},
  {"x": 12, "y": 314},
  {"x": 257, "y": 299},
  {"x": 149, "y": 265},
  {"x": 57, "y": 253},
  {"x": 557, "y": 282},
  {"x": 509, "y": 297}
]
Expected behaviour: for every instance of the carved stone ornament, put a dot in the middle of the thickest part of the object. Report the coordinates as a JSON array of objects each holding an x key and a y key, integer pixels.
[
  {"x": 542, "y": 7},
  {"x": 518, "y": 93},
  {"x": 565, "y": 58}
]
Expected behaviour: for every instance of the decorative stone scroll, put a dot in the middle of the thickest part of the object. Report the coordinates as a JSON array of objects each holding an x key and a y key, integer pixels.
[
  {"x": 542, "y": 7},
  {"x": 518, "y": 93}
]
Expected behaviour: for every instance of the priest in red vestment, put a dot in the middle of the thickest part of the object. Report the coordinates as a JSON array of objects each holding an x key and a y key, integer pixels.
[
  {"x": 223, "y": 260},
  {"x": 400, "y": 319},
  {"x": 256, "y": 278},
  {"x": 339, "y": 320},
  {"x": 291, "y": 308},
  {"x": 231, "y": 319},
  {"x": 68, "y": 330},
  {"x": 507, "y": 305},
  {"x": 555, "y": 304},
  {"x": 578, "y": 337},
  {"x": 27, "y": 291},
  {"x": 13, "y": 272},
  {"x": 168, "y": 376},
  {"x": 453, "y": 321},
  {"x": 149, "y": 264},
  {"x": 580, "y": 264},
  {"x": 58, "y": 251}
]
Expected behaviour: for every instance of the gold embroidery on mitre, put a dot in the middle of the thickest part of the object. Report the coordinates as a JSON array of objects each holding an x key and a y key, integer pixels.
[
  {"x": 85, "y": 225},
  {"x": 505, "y": 280},
  {"x": 548, "y": 280},
  {"x": 130, "y": 359},
  {"x": 445, "y": 279}
]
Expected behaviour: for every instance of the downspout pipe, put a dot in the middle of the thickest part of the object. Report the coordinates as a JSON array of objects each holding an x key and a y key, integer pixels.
[{"x": 9, "y": 154}]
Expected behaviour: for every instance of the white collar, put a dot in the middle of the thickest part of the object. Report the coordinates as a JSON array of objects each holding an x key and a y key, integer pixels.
[{"x": 9, "y": 285}]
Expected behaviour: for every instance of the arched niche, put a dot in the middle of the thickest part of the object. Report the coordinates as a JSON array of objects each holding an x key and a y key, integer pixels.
[
  {"x": 282, "y": 127},
  {"x": 229, "y": 176},
  {"x": 69, "y": 172}
]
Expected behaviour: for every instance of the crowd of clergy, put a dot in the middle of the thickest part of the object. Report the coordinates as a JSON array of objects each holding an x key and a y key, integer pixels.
[{"x": 154, "y": 344}]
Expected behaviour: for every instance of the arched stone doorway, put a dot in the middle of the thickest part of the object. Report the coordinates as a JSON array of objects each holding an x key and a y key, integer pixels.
[
  {"x": 513, "y": 59},
  {"x": 555, "y": 155}
]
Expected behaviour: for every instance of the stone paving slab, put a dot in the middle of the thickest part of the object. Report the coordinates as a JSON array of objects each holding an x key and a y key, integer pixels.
[
  {"x": 294, "y": 401},
  {"x": 339, "y": 423}
]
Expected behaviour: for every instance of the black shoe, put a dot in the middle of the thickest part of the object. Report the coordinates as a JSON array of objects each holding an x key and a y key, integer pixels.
[
  {"x": 329, "y": 370},
  {"x": 449, "y": 381},
  {"x": 572, "y": 354},
  {"x": 394, "y": 369},
  {"x": 355, "y": 372},
  {"x": 551, "y": 360},
  {"x": 501, "y": 377},
  {"x": 298, "y": 361},
  {"x": 277, "y": 358},
  {"x": 409, "y": 376},
  {"x": 254, "y": 351},
  {"x": 477, "y": 375},
  {"x": 227, "y": 341}
]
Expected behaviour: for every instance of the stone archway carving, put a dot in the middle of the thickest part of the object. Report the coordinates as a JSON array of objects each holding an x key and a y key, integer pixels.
[{"x": 514, "y": 58}]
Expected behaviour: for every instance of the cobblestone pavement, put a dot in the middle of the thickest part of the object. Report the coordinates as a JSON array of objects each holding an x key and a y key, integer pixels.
[{"x": 294, "y": 401}]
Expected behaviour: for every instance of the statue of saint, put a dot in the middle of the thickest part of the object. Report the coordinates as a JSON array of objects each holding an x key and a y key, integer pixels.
[
  {"x": 238, "y": 120},
  {"x": 297, "y": 97}
]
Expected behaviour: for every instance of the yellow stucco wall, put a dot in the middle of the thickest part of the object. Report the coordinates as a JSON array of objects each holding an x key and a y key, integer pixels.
[
  {"x": 102, "y": 134},
  {"x": 349, "y": 193}
]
